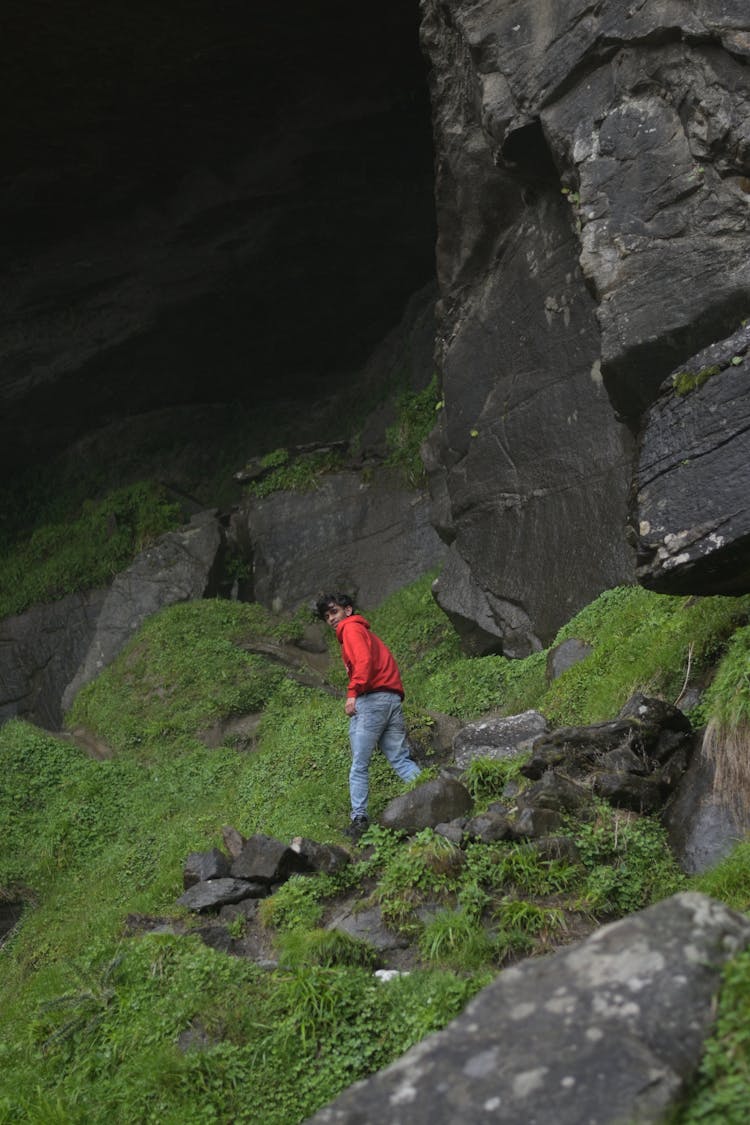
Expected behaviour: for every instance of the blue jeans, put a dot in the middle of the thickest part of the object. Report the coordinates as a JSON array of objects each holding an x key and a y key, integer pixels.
[{"x": 378, "y": 721}]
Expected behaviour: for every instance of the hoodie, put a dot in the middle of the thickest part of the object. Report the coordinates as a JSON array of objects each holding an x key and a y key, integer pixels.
[{"x": 368, "y": 661}]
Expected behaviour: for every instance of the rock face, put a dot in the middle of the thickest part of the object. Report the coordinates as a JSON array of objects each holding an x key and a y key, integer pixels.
[
  {"x": 703, "y": 826},
  {"x": 593, "y": 216},
  {"x": 609, "y": 1030},
  {"x": 39, "y": 651},
  {"x": 691, "y": 510},
  {"x": 180, "y": 566},
  {"x": 368, "y": 537}
]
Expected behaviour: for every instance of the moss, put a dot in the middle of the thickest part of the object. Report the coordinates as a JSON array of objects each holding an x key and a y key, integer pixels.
[{"x": 686, "y": 381}]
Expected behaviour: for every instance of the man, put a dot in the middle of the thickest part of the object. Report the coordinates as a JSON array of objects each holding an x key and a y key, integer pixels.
[{"x": 373, "y": 703}]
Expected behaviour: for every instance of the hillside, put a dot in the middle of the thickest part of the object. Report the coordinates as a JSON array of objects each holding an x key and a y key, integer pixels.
[{"x": 114, "y": 1007}]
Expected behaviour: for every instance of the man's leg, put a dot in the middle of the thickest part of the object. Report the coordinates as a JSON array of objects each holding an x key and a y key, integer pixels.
[
  {"x": 365, "y": 728},
  {"x": 395, "y": 745}
]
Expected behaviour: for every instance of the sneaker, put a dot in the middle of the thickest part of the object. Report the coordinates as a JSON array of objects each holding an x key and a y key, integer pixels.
[{"x": 357, "y": 828}]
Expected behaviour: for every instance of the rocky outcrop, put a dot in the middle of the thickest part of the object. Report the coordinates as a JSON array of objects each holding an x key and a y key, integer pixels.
[
  {"x": 592, "y": 179},
  {"x": 691, "y": 510},
  {"x": 609, "y": 1030},
  {"x": 39, "y": 651},
  {"x": 703, "y": 825},
  {"x": 180, "y": 566}
]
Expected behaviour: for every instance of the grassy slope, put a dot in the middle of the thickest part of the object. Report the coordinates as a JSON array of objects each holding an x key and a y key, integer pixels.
[{"x": 90, "y": 1018}]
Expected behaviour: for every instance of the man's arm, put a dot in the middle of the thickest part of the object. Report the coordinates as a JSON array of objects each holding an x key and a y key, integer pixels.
[{"x": 358, "y": 658}]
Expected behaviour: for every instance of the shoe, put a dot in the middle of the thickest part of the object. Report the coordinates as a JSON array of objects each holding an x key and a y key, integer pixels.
[{"x": 357, "y": 828}]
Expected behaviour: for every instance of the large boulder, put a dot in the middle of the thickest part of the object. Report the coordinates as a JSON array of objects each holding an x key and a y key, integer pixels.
[
  {"x": 368, "y": 537},
  {"x": 497, "y": 737},
  {"x": 608, "y": 1030},
  {"x": 691, "y": 508},
  {"x": 434, "y": 802},
  {"x": 703, "y": 824}
]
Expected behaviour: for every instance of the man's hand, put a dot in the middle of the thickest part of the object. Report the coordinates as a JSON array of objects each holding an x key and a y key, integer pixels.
[{"x": 350, "y": 707}]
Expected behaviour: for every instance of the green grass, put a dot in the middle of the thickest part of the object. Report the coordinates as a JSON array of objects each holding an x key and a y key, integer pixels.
[{"x": 722, "y": 1088}]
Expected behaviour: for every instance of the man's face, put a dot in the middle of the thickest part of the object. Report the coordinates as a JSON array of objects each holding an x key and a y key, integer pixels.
[{"x": 335, "y": 613}]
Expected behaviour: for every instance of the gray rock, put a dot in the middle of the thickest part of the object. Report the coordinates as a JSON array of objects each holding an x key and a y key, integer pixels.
[
  {"x": 178, "y": 567},
  {"x": 627, "y": 791},
  {"x": 566, "y": 655},
  {"x": 579, "y": 749},
  {"x": 430, "y": 803},
  {"x": 497, "y": 737},
  {"x": 554, "y": 791},
  {"x": 488, "y": 827},
  {"x": 327, "y": 858},
  {"x": 624, "y": 760},
  {"x": 234, "y": 841},
  {"x": 39, "y": 652},
  {"x": 691, "y": 510},
  {"x": 608, "y": 1030},
  {"x": 366, "y": 925},
  {"x": 534, "y": 822},
  {"x": 702, "y": 825},
  {"x": 219, "y": 892},
  {"x": 452, "y": 830},
  {"x": 266, "y": 860},
  {"x": 200, "y": 866},
  {"x": 246, "y": 908}
]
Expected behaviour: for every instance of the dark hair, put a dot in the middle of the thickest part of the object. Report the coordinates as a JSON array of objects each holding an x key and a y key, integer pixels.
[{"x": 325, "y": 602}]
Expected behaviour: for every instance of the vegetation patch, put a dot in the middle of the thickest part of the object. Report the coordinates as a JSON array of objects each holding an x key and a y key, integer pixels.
[
  {"x": 686, "y": 381},
  {"x": 415, "y": 418},
  {"x": 85, "y": 550},
  {"x": 726, "y": 743},
  {"x": 293, "y": 472}
]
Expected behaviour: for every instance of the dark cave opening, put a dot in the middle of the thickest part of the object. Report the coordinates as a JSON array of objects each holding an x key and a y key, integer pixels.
[{"x": 204, "y": 204}]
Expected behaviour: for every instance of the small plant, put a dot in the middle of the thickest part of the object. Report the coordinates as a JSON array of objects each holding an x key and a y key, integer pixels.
[
  {"x": 528, "y": 917},
  {"x": 729, "y": 880},
  {"x": 720, "y": 1093},
  {"x": 300, "y": 473},
  {"x": 237, "y": 927},
  {"x": 80, "y": 1012},
  {"x": 456, "y": 938},
  {"x": 628, "y": 862},
  {"x": 293, "y": 906},
  {"x": 486, "y": 778},
  {"x": 415, "y": 419},
  {"x": 300, "y": 948}
]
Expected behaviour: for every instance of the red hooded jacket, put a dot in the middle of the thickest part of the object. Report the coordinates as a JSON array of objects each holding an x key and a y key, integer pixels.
[{"x": 370, "y": 664}]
